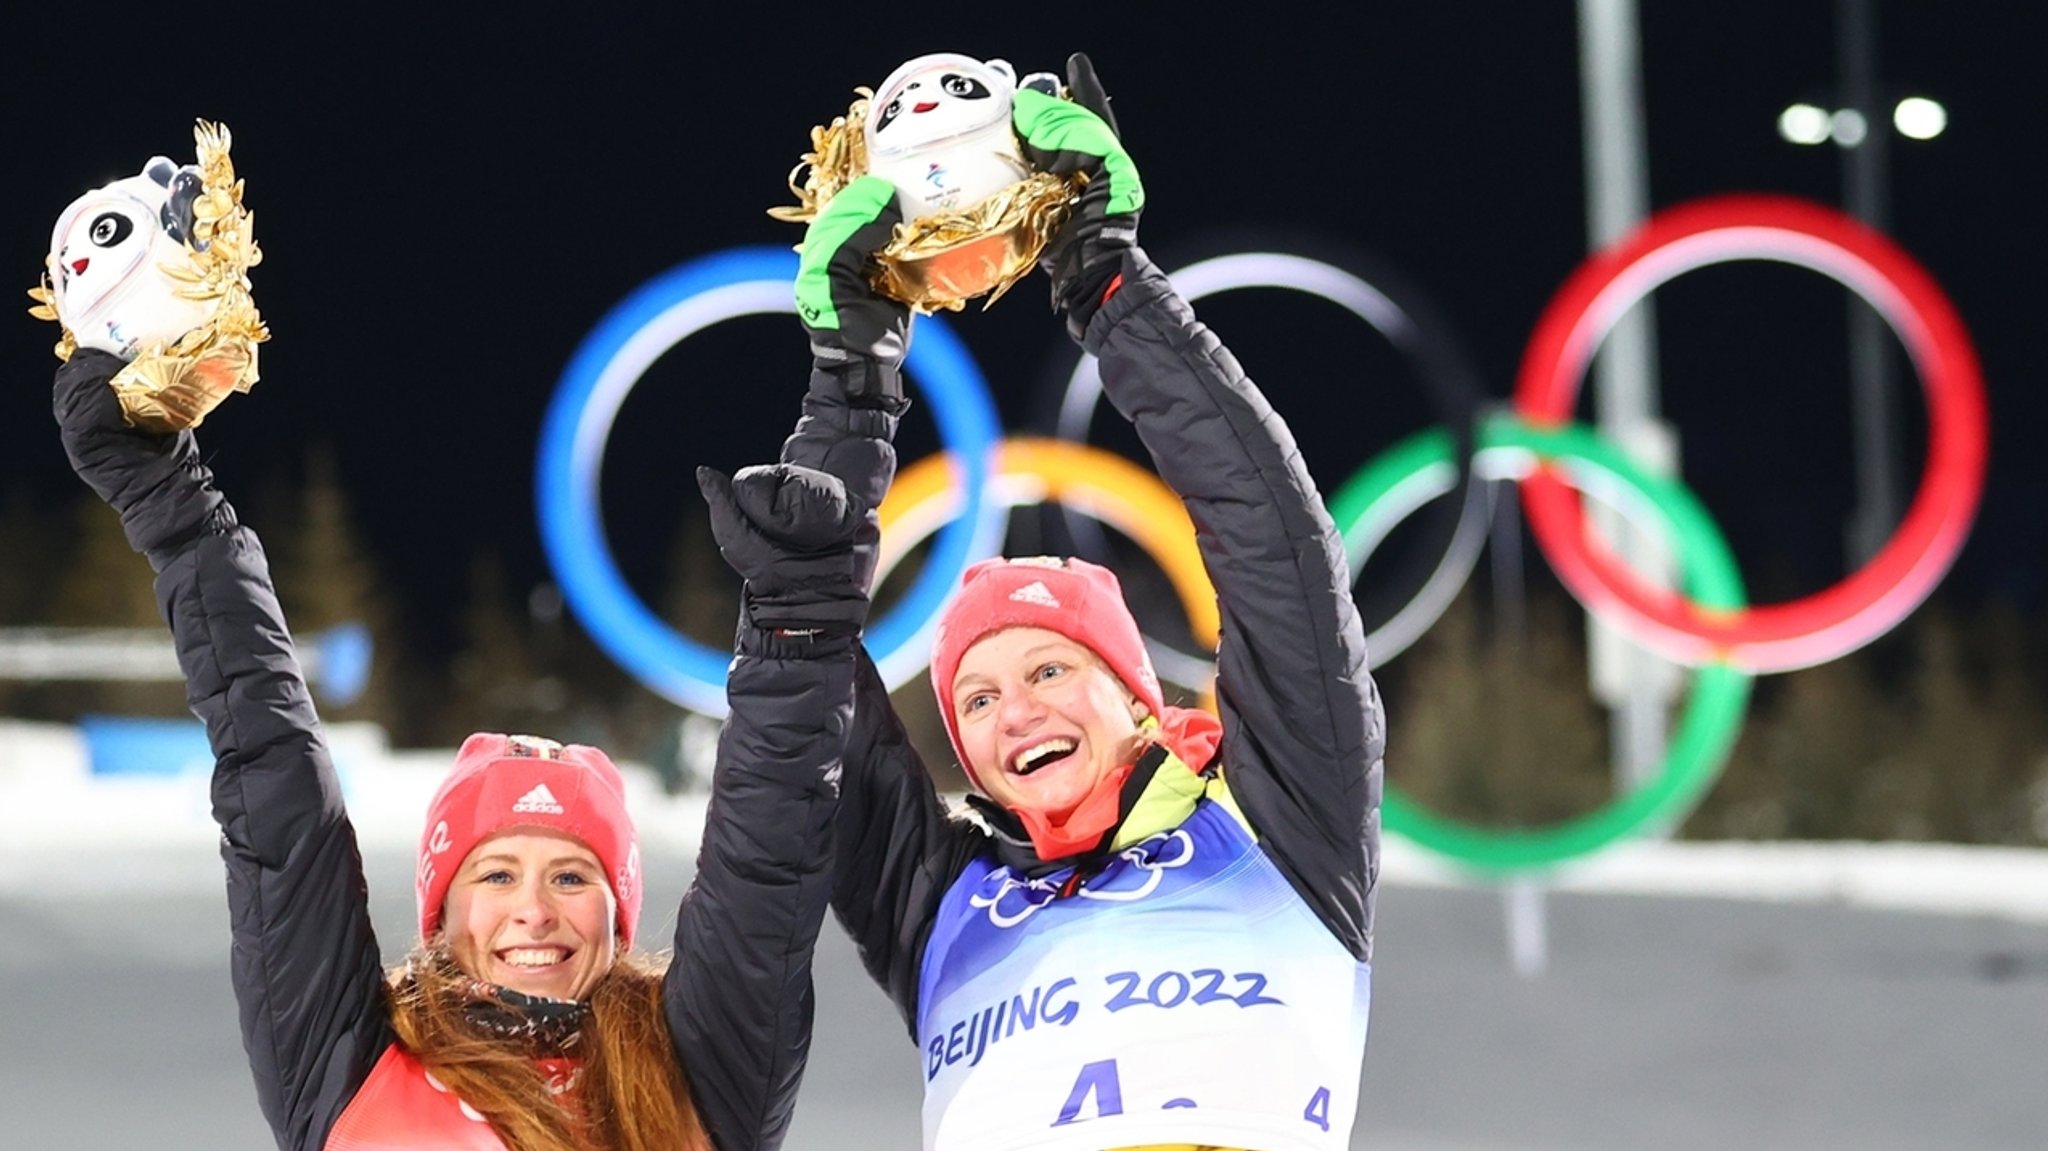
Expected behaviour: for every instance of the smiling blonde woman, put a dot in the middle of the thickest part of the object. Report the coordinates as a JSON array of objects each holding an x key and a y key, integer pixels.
[{"x": 1155, "y": 926}]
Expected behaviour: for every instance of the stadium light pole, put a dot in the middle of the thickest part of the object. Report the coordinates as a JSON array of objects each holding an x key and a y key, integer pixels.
[
  {"x": 1866, "y": 164},
  {"x": 1635, "y": 684}
]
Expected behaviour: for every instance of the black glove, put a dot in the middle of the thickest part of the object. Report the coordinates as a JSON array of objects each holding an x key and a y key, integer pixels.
[
  {"x": 164, "y": 495},
  {"x": 801, "y": 543},
  {"x": 1079, "y": 135},
  {"x": 856, "y": 332},
  {"x": 847, "y": 436},
  {"x": 854, "y": 444}
]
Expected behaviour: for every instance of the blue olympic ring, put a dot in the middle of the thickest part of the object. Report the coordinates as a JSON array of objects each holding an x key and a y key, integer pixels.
[{"x": 626, "y": 342}]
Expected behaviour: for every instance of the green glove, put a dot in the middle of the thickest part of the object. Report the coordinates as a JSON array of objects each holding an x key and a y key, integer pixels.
[
  {"x": 851, "y": 325},
  {"x": 1079, "y": 135}
]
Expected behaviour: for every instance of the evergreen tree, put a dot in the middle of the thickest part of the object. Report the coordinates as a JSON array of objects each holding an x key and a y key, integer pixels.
[
  {"x": 701, "y": 602},
  {"x": 326, "y": 577},
  {"x": 106, "y": 585},
  {"x": 496, "y": 681},
  {"x": 702, "y": 597},
  {"x": 1494, "y": 728},
  {"x": 26, "y": 578},
  {"x": 1817, "y": 760},
  {"x": 1975, "y": 744},
  {"x": 27, "y": 575}
]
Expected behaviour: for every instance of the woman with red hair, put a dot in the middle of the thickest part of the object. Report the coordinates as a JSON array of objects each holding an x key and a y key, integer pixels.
[{"x": 523, "y": 1018}]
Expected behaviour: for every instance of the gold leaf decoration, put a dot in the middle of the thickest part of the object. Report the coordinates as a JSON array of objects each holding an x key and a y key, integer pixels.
[
  {"x": 175, "y": 386},
  {"x": 170, "y": 387},
  {"x": 940, "y": 262},
  {"x": 46, "y": 301},
  {"x": 937, "y": 262},
  {"x": 838, "y": 157}
]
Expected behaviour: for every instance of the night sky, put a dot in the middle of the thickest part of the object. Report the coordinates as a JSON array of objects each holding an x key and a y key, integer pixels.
[{"x": 448, "y": 205}]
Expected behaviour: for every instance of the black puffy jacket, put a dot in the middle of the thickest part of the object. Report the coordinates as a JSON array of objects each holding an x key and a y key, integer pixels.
[
  {"x": 1303, "y": 730},
  {"x": 306, "y": 967}
]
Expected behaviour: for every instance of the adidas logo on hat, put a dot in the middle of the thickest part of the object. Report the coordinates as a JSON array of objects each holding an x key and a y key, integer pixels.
[
  {"x": 540, "y": 799},
  {"x": 1035, "y": 592}
]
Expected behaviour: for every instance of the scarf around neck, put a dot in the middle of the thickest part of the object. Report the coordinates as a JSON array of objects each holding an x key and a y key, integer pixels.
[
  {"x": 546, "y": 1026},
  {"x": 1156, "y": 791}
]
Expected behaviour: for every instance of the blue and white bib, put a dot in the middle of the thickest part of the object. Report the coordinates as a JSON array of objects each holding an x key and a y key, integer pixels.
[{"x": 1183, "y": 994}]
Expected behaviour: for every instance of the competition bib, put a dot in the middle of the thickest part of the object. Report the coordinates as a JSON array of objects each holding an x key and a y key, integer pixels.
[{"x": 1182, "y": 995}]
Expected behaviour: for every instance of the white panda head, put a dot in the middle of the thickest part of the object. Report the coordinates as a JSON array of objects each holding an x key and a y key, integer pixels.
[
  {"x": 105, "y": 255},
  {"x": 935, "y": 98},
  {"x": 939, "y": 129}
]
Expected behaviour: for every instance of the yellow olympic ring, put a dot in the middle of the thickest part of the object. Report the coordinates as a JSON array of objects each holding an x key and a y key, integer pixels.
[{"x": 1097, "y": 483}]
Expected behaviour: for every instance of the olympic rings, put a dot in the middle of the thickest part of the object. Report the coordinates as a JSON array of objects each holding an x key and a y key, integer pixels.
[
  {"x": 1378, "y": 497},
  {"x": 1707, "y": 624},
  {"x": 1386, "y": 489},
  {"x": 1415, "y": 331},
  {"x": 1095, "y": 482},
  {"x": 1838, "y": 619},
  {"x": 626, "y": 342}
]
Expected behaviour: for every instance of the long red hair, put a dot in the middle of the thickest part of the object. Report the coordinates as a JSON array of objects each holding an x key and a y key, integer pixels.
[{"x": 630, "y": 1093}]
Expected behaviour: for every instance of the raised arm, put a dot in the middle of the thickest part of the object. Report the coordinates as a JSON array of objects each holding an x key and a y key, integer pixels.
[
  {"x": 305, "y": 963},
  {"x": 739, "y": 994},
  {"x": 896, "y": 847},
  {"x": 1303, "y": 729}
]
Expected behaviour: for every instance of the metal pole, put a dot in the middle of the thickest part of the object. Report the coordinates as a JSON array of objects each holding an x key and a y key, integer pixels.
[
  {"x": 1528, "y": 927},
  {"x": 1633, "y": 683},
  {"x": 1864, "y": 167}
]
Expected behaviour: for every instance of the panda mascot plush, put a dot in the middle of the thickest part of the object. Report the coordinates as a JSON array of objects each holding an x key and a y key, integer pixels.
[
  {"x": 153, "y": 269},
  {"x": 975, "y": 213},
  {"x": 939, "y": 130}
]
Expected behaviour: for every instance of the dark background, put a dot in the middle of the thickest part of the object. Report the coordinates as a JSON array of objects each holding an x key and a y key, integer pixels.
[{"x": 449, "y": 202}]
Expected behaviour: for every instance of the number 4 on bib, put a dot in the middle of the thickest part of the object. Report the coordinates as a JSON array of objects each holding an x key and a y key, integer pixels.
[
  {"x": 1318, "y": 1109},
  {"x": 1099, "y": 1079}
]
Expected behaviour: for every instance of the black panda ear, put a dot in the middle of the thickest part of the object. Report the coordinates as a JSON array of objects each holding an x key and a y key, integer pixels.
[
  {"x": 160, "y": 170},
  {"x": 185, "y": 183}
]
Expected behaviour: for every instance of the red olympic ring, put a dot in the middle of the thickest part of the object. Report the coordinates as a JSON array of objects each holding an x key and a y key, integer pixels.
[{"x": 1867, "y": 603}]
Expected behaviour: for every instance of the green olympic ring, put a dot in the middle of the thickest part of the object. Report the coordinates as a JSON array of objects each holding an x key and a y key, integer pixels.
[{"x": 1417, "y": 469}]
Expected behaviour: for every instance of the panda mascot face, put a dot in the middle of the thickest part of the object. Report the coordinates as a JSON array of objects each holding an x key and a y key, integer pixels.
[
  {"x": 106, "y": 258},
  {"x": 939, "y": 129}
]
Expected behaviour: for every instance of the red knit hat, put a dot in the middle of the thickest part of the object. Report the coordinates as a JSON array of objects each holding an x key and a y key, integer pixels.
[
  {"x": 501, "y": 782},
  {"x": 1077, "y": 599}
]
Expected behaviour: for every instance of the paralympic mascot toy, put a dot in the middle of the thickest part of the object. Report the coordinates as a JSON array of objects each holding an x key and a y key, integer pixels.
[
  {"x": 978, "y": 206},
  {"x": 153, "y": 268}
]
